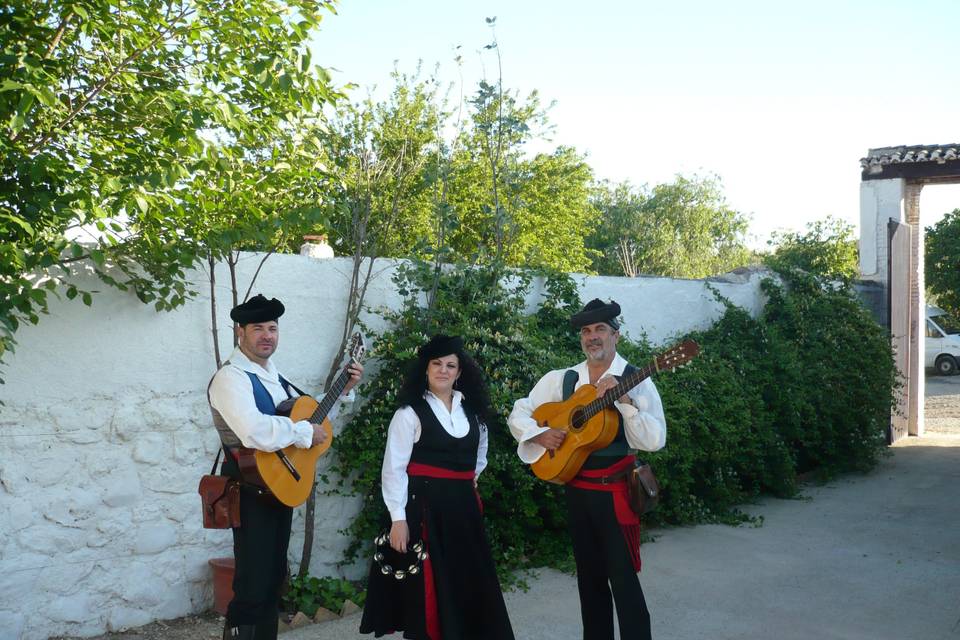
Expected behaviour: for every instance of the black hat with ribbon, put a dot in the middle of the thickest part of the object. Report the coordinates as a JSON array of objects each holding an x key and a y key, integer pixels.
[
  {"x": 440, "y": 345},
  {"x": 257, "y": 309},
  {"x": 597, "y": 311}
]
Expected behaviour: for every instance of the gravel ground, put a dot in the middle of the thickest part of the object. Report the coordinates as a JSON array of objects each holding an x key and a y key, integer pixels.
[
  {"x": 204, "y": 626},
  {"x": 942, "y": 416}
]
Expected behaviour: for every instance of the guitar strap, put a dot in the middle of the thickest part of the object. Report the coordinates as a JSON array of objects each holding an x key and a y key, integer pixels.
[{"x": 570, "y": 378}]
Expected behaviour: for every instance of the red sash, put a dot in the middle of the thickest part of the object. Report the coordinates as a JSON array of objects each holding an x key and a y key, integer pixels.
[
  {"x": 431, "y": 614},
  {"x": 628, "y": 520}
]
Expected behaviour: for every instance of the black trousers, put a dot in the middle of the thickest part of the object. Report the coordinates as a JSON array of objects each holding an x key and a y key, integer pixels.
[
  {"x": 260, "y": 552},
  {"x": 604, "y": 565}
]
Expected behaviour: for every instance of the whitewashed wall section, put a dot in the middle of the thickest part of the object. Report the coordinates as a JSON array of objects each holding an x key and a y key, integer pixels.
[{"x": 105, "y": 432}]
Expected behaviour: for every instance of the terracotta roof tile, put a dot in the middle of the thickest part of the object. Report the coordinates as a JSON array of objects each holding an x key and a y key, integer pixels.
[{"x": 878, "y": 158}]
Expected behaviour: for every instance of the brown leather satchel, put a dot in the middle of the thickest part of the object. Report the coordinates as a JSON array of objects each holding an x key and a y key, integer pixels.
[
  {"x": 220, "y": 499},
  {"x": 643, "y": 490}
]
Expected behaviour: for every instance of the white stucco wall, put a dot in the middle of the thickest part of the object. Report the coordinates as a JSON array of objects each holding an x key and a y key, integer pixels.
[
  {"x": 880, "y": 202},
  {"x": 105, "y": 432}
]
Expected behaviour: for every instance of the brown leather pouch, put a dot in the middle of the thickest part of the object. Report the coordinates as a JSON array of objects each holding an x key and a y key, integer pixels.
[
  {"x": 643, "y": 490},
  {"x": 220, "y": 498}
]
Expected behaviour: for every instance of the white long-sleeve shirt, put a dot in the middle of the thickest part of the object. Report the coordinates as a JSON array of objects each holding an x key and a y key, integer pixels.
[
  {"x": 404, "y": 431},
  {"x": 644, "y": 424},
  {"x": 231, "y": 394}
]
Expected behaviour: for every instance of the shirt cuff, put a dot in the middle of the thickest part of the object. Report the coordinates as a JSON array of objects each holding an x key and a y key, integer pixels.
[
  {"x": 302, "y": 434},
  {"x": 350, "y": 397},
  {"x": 530, "y": 452},
  {"x": 398, "y": 514},
  {"x": 626, "y": 409}
]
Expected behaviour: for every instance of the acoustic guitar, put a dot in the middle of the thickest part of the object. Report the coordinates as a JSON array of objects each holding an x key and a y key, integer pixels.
[
  {"x": 289, "y": 473},
  {"x": 591, "y": 423}
]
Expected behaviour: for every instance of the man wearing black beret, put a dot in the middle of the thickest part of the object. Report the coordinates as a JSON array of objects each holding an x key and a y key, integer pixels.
[
  {"x": 243, "y": 395},
  {"x": 605, "y": 533}
]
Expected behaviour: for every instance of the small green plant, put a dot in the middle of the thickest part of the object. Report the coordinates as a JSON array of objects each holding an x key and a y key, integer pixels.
[{"x": 307, "y": 594}]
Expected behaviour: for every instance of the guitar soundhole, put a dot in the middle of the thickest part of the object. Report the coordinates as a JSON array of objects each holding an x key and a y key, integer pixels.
[{"x": 577, "y": 419}]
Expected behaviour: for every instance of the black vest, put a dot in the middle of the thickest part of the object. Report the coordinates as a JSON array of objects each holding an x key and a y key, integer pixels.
[
  {"x": 616, "y": 449},
  {"x": 436, "y": 447}
]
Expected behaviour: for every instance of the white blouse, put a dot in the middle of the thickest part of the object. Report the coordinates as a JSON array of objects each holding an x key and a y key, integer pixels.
[{"x": 404, "y": 431}]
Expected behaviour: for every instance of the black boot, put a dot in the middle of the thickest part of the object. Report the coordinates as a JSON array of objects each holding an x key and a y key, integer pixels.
[{"x": 241, "y": 632}]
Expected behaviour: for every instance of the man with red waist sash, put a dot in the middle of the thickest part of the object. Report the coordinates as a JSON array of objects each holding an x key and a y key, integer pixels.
[{"x": 604, "y": 531}]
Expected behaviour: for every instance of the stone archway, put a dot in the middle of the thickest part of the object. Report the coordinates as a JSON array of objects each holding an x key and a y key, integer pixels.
[{"x": 891, "y": 254}]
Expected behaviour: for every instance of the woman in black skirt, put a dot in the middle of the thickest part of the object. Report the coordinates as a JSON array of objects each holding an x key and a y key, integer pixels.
[{"x": 433, "y": 577}]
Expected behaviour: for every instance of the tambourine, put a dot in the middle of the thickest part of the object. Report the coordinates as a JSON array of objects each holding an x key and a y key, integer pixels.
[{"x": 417, "y": 549}]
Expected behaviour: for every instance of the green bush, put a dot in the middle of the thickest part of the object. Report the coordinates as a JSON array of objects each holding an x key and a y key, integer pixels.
[
  {"x": 513, "y": 349},
  {"x": 807, "y": 386},
  {"x": 307, "y": 594}
]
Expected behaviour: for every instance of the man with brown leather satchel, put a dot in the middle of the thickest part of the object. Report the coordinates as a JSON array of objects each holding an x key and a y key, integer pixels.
[
  {"x": 243, "y": 396},
  {"x": 604, "y": 529}
]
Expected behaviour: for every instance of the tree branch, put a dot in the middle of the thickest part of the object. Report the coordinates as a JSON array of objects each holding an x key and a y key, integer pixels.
[
  {"x": 100, "y": 86},
  {"x": 59, "y": 34}
]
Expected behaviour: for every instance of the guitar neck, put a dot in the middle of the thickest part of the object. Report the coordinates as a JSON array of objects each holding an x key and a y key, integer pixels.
[
  {"x": 325, "y": 405},
  {"x": 626, "y": 383}
]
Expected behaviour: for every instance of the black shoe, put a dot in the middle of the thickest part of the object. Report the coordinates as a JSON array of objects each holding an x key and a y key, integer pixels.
[{"x": 241, "y": 632}]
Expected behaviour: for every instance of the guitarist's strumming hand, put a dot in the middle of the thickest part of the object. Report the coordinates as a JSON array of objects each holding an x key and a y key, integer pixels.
[
  {"x": 319, "y": 435},
  {"x": 605, "y": 384},
  {"x": 550, "y": 439}
]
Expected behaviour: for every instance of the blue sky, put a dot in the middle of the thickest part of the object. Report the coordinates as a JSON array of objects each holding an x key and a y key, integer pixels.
[{"x": 780, "y": 99}]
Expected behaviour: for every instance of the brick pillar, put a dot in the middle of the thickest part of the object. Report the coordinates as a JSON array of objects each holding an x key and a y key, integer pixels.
[{"x": 916, "y": 371}]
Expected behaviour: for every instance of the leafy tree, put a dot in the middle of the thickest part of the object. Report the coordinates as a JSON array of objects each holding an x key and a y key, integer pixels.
[
  {"x": 387, "y": 156},
  {"x": 108, "y": 111},
  {"x": 530, "y": 211},
  {"x": 681, "y": 229},
  {"x": 827, "y": 249},
  {"x": 942, "y": 261}
]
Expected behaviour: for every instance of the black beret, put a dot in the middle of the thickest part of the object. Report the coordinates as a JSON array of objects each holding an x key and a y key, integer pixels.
[
  {"x": 440, "y": 345},
  {"x": 597, "y": 311},
  {"x": 257, "y": 309}
]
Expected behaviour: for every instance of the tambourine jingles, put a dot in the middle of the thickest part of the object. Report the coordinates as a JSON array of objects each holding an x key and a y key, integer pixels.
[{"x": 417, "y": 549}]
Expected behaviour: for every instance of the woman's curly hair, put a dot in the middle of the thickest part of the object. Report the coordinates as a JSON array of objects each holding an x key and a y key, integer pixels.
[{"x": 471, "y": 383}]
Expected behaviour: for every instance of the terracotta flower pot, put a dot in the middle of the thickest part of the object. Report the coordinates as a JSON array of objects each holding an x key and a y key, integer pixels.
[{"x": 222, "y": 583}]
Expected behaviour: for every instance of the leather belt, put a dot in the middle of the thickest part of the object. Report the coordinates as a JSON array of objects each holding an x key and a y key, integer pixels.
[{"x": 611, "y": 479}]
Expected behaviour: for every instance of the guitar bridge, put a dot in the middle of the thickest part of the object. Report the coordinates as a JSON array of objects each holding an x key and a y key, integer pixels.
[{"x": 289, "y": 465}]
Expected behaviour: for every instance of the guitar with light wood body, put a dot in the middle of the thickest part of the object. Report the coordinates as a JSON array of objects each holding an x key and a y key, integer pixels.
[
  {"x": 289, "y": 473},
  {"x": 591, "y": 423}
]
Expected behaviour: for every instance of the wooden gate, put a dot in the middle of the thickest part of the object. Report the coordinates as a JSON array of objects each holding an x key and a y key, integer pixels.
[{"x": 898, "y": 277}]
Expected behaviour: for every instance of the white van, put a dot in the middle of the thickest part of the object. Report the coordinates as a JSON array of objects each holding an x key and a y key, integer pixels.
[{"x": 942, "y": 344}]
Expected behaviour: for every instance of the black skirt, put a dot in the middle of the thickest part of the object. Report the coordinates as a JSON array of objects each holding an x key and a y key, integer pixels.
[{"x": 458, "y": 575}]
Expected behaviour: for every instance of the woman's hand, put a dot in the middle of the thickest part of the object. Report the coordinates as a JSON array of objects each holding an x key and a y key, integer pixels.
[{"x": 399, "y": 536}]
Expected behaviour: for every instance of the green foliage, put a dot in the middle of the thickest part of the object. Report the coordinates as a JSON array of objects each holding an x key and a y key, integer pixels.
[
  {"x": 138, "y": 138},
  {"x": 307, "y": 594},
  {"x": 828, "y": 249},
  {"x": 806, "y": 387},
  {"x": 388, "y": 157},
  {"x": 682, "y": 229},
  {"x": 513, "y": 349},
  {"x": 942, "y": 261},
  {"x": 418, "y": 179}
]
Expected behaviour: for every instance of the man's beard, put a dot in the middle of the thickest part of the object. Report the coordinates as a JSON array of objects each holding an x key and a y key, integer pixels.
[{"x": 600, "y": 354}]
